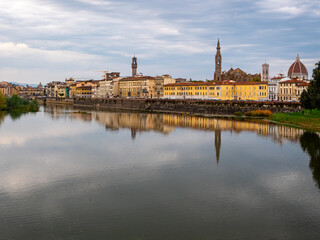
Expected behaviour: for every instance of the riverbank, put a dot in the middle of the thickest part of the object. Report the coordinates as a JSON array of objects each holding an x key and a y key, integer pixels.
[
  {"x": 299, "y": 119},
  {"x": 17, "y": 104}
]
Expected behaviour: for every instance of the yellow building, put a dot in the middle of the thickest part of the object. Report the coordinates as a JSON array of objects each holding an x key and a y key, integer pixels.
[
  {"x": 136, "y": 87},
  {"x": 155, "y": 86},
  {"x": 251, "y": 91},
  {"x": 144, "y": 86},
  {"x": 226, "y": 90},
  {"x": 84, "y": 89},
  {"x": 73, "y": 90}
]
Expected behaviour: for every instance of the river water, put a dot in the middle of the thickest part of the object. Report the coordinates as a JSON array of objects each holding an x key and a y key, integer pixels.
[{"x": 69, "y": 174}]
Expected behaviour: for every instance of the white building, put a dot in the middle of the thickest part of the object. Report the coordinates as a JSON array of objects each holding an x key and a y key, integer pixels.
[
  {"x": 273, "y": 86},
  {"x": 107, "y": 88}
]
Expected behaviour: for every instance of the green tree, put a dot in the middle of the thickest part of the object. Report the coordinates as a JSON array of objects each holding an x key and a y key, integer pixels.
[
  {"x": 306, "y": 101},
  {"x": 256, "y": 79},
  {"x": 315, "y": 85},
  {"x": 311, "y": 97},
  {"x": 14, "y": 103},
  {"x": 2, "y": 102}
]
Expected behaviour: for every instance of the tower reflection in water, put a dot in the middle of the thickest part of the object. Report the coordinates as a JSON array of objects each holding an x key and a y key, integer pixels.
[{"x": 166, "y": 123}]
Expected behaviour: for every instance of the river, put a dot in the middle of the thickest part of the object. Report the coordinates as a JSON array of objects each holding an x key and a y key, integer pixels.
[{"x": 72, "y": 174}]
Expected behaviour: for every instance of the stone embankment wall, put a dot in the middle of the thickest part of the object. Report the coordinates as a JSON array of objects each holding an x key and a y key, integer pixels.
[
  {"x": 187, "y": 106},
  {"x": 58, "y": 100}
]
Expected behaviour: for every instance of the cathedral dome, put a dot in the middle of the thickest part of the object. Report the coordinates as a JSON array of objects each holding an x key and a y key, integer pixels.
[{"x": 298, "y": 70}]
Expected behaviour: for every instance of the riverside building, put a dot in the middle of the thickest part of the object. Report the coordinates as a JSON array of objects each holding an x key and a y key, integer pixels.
[
  {"x": 226, "y": 90},
  {"x": 144, "y": 86},
  {"x": 290, "y": 90}
]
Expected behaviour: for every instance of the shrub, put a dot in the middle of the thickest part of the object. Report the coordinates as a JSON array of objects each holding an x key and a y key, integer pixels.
[
  {"x": 18, "y": 104},
  {"x": 238, "y": 114},
  {"x": 34, "y": 107},
  {"x": 14, "y": 103},
  {"x": 259, "y": 113}
]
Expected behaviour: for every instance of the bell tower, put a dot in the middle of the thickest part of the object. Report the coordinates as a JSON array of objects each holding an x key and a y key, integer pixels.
[
  {"x": 265, "y": 72},
  {"x": 218, "y": 60},
  {"x": 134, "y": 66}
]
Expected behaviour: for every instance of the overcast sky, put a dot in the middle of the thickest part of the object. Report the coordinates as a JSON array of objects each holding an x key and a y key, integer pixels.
[{"x": 50, "y": 40}]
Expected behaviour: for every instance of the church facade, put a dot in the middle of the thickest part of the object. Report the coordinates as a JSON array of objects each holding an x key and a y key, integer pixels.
[{"x": 237, "y": 74}]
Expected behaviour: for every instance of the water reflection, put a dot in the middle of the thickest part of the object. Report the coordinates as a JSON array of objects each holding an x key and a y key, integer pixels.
[
  {"x": 63, "y": 176},
  {"x": 217, "y": 143},
  {"x": 167, "y": 123},
  {"x": 2, "y": 115},
  {"x": 310, "y": 143},
  {"x": 16, "y": 115}
]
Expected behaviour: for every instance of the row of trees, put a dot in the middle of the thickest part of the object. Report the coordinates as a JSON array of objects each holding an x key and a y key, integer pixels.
[
  {"x": 310, "y": 98},
  {"x": 18, "y": 104}
]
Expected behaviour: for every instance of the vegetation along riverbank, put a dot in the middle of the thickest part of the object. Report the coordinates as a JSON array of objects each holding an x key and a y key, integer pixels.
[
  {"x": 300, "y": 119},
  {"x": 17, "y": 104}
]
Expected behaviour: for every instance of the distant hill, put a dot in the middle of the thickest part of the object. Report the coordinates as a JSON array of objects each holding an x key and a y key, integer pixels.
[{"x": 25, "y": 84}]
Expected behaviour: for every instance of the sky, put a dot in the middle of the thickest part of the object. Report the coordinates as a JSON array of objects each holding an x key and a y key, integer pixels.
[{"x": 50, "y": 40}]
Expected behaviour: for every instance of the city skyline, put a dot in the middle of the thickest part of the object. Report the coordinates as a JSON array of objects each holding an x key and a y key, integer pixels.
[{"x": 52, "y": 40}]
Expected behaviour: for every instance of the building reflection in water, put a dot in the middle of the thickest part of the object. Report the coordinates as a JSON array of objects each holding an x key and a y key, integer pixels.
[
  {"x": 217, "y": 143},
  {"x": 166, "y": 123},
  {"x": 310, "y": 143}
]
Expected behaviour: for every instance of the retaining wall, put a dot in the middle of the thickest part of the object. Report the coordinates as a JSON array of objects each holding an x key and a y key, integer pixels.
[{"x": 190, "y": 106}]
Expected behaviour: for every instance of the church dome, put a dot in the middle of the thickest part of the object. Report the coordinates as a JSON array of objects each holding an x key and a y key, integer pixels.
[{"x": 298, "y": 70}]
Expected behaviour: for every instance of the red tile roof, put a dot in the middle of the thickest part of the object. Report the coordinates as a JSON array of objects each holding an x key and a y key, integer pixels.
[
  {"x": 136, "y": 78},
  {"x": 250, "y": 83},
  {"x": 227, "y": 82},
  {"x": 303, "y": 84},
  {"x": 292, "y": 81}
]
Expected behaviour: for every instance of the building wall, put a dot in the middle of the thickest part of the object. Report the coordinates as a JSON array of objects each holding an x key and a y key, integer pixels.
[
  {"x": 291, "y": 90},
  {"x": 8, "y": 89},
  {"x": 287, "y": 91},
  {"x": 221, "y": 91},
  {"x": 84, "y": 92},
  {"x": 272, "y": 91},
  {"x": 135, "y": 87},
  {"x": 84, "y": 89}
]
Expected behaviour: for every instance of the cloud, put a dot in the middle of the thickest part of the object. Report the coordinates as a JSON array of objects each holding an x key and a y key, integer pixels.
[
  {"x": 289, "y": 8},
  {"x": 23, "y": 51},
  {"x": 165, "y": 35}
]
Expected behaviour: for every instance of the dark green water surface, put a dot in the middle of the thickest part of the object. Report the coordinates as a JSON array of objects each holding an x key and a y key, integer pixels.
[{"x": 66, "y": 174}]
